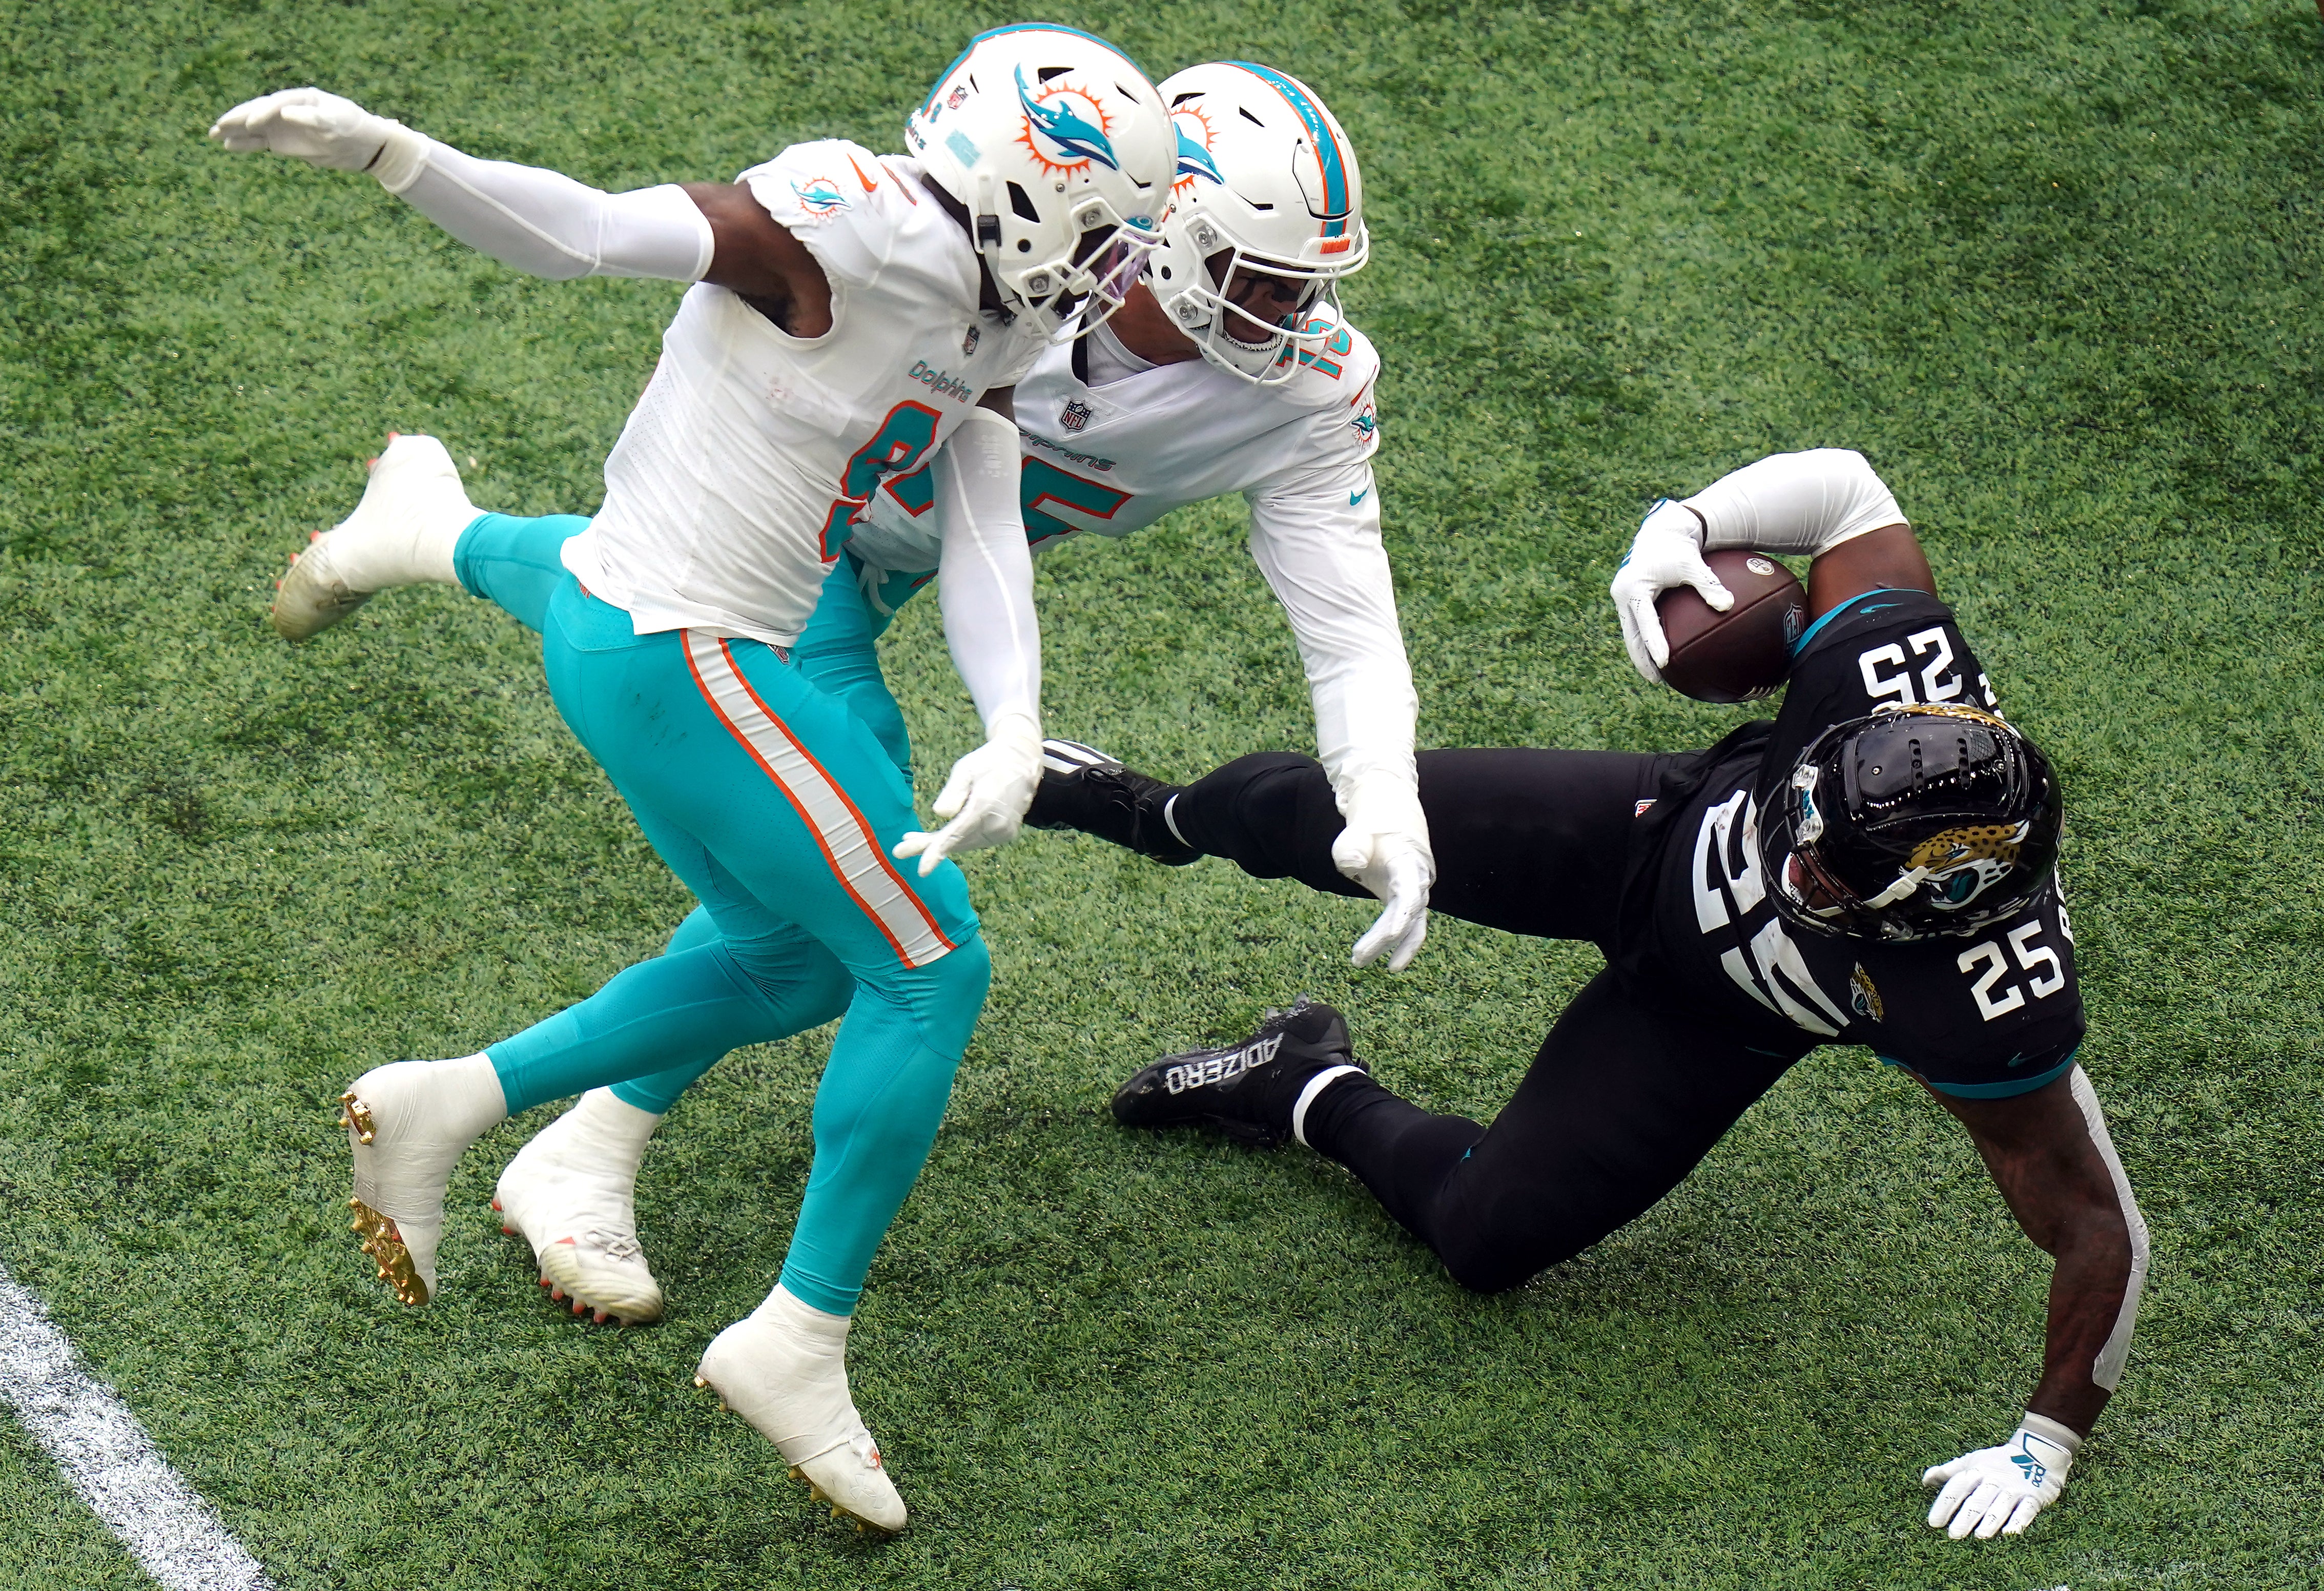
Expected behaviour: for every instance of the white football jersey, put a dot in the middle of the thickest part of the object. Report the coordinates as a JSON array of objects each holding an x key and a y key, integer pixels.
[
  {"x": 1114, "y": 456},
  {"x": 738, "y": 478}
]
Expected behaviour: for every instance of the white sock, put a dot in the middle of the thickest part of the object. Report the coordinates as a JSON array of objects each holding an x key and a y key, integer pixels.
[
  {"x": 472, "y": 1089},
  {"x": 613, "y": 1126},
  {"x": 404, "y": 530},
  {"x": 818, "y": 1412},
  {"x": 820, "y": 1328}
]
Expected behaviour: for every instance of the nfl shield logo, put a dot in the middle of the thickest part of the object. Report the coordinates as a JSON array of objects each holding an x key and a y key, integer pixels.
[
  {"x": 1075, "y": 416},
  {"x": 968, "y": 342},
  {"x": 958, "y": 98}
]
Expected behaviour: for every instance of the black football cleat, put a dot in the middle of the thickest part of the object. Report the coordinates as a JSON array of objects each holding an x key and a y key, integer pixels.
[
  {"x": 1248, "y": 1090},
  {"x": 1084, "y": 790}
]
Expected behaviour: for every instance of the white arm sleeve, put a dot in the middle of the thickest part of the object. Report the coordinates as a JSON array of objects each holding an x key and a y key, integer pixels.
[
  {"x": 543, "y": 223},
  {"x": 2107, "y": 1370},
  {"x": 1799, "y": 503},
  {"x": 1316, "y": 537},
  {"x": 986, "y": 580}
]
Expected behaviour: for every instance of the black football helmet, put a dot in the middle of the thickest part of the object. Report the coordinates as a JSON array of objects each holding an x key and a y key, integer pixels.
[{"x": 1914, "y": 823}]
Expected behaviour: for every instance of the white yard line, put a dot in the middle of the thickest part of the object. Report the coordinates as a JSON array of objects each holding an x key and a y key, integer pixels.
[{"x": 106, "y": 1456}]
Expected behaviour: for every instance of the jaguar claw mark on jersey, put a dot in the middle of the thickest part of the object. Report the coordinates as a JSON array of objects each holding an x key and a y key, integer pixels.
[{"x": 1990, "y": 1012}]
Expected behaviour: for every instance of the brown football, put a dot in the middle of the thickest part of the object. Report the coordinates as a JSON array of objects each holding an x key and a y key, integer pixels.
[{"x": 1744, "y": 652}]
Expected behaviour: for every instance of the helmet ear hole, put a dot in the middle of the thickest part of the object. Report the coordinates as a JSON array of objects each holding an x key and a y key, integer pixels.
[{"x": 1022, "y": 203}]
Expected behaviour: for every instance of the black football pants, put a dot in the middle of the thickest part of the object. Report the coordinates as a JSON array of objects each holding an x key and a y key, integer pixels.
[{"x": 1627, "y": 1094}]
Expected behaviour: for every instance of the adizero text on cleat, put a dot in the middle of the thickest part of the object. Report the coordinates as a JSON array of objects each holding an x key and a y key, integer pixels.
[
  {"x": 571, "y": 1193},
  {"x": 1246, "y": 1089},
  {"x": 403, "y": 533},
  {"x": 1084, "y": 789}
]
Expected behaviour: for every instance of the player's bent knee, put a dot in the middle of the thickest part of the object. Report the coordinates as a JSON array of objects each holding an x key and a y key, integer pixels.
[
  {"x": 943, "y": 998},
  {"x": 1490, "y": 1261},
  {"x": 796, "y": 975}
]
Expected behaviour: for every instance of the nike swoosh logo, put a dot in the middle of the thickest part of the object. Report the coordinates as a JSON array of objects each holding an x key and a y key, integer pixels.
[
  {"x": 868, "y": 185},
  {"x": 1356, "y": 497}
]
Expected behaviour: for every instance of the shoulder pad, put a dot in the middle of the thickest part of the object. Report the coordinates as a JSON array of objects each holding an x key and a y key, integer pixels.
[{"x": 827, "y": 182}]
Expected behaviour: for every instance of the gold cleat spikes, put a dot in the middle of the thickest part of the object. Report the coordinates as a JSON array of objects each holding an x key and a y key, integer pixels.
[
  {"x": 355, "y": 1116},
  {"x": 384, "y": 1245},
  {"x": 815, "y": 1493}
]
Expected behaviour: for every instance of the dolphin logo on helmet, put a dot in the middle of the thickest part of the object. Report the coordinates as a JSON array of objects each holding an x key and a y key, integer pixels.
[
  {"x": 1059, "y": 150},
  {"x": 1194, "y": 157},
  {"x": 1054, "y": 117}
]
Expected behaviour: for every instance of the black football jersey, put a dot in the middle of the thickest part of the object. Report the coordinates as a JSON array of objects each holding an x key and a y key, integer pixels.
[{"x": 1996, "y": 1014}]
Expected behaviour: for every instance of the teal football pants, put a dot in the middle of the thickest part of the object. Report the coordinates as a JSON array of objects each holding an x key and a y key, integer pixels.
[
  {"x": 777, "y": 804},
  {"x": 516, "y": 564}
]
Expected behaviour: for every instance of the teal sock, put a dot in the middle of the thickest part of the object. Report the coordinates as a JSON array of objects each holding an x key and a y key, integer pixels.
[
  {"x": 676, "y": 1012},
  {"x": 513, "y": 562},
  {"x": 876, "y": 1113}
]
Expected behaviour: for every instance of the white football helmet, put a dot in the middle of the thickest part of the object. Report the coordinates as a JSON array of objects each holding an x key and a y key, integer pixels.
[
  {"x": 1059, "y": 149},
  {"x": 1266, "y": 175}
]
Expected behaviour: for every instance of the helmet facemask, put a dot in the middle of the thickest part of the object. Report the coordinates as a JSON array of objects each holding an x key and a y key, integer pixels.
[
  {"x": 1066, "y": 297},
  {"x": 1914, "y": 823},
  {"x": 1236, "y": 339},
  {"x": 1267, "y": 189}
]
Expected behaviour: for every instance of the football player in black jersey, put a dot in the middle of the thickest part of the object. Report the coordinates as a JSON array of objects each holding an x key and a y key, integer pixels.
[{"x": 1877, "y": 866}]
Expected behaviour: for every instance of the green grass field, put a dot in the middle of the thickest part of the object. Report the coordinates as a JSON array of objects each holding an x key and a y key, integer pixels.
[{"x": 2054, "y": 267}]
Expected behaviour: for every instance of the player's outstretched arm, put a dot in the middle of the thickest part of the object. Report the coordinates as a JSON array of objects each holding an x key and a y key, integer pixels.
[
  {"x": 1316, "y": 538},
  {"x": 2050, "y": 1154},
  {"x": 544, "y": 223},
  {"x": 1813, "y": 503},
  {"x": 985, "y": 588}
]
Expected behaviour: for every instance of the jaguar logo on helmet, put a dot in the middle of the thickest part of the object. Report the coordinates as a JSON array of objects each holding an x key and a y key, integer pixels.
[
  {"x": 1961, "y": 864},
  {"x": 1066, "y": 127},
  {"x": 1922, "y": 821}
]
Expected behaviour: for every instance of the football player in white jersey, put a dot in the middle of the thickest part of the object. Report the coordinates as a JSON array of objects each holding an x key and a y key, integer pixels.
[
  {"x": 852, "y": 315},
  {"x": 1230, "y": 369}
]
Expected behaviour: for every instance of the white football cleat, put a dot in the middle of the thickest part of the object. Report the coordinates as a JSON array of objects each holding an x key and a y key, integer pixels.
[
  {"x": 572, "y": 1194},
  {"x": 783, "y": 1367},
  {"x": 406, "y": 1125},
  {"x": 402, "y": 533}
]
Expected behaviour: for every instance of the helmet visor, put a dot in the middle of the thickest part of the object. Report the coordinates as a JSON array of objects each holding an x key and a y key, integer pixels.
[{"x": 1107, "y": 262}]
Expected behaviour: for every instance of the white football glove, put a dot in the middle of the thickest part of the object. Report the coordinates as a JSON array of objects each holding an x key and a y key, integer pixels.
[
  {"x": 1667, "y": 552},
  {"x": 1385, "y": 848},
  {"x": 1997, "y": 1490},
  {"x": 309, "y": 125},
  {"x": 986, "y": 797}
]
